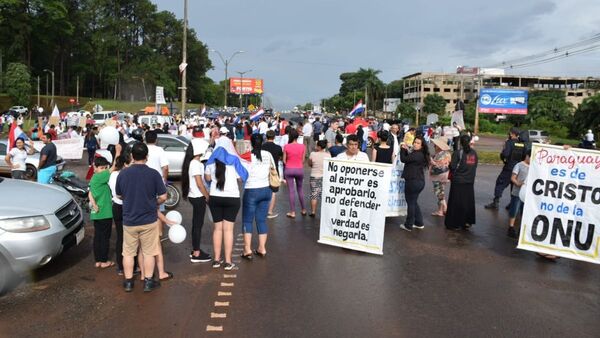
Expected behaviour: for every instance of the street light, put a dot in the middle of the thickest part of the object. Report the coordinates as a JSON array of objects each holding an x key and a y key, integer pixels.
[
  {"x": 143, "y": 84},
  {"x": 52, "y": 100},
  {"x": 242, "y": 86},
  {"x": 226, "y": 63}
]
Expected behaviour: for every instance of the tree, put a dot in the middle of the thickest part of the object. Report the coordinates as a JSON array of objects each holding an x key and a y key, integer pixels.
[
  {"x": 18, "y": 84},
  {"x": 406, "y": 111},
  {"x": 434, "y": 104},
  {"x": 587, "y": 116}
]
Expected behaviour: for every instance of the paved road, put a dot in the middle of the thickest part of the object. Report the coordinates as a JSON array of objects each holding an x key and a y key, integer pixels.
[{"x": 428, "y": 283}]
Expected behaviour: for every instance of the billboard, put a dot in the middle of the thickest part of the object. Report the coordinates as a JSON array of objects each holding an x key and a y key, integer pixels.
[
  {"x": 467, "y": 70},
  {"x": 390, "y": 105},
  {"x": 503, "y": 101},
  {"x": 245, "y": 85}
]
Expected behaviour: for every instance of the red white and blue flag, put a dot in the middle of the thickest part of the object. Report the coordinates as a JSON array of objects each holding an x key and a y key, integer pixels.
[
  {"x": 257, "y": 115},
  {"x": 14, "y": 133},
  {"x": 359, "y": 108}
]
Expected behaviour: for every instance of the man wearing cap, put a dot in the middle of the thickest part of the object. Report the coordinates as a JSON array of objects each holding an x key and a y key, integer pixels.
[
  {"x": 225, "y": 142},
  {"x": 507, "y": 157}
]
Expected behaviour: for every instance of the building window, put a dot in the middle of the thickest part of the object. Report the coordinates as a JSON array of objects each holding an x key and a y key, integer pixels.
[
  {"x": 446, "y": 90},
  {"x": 436, "y": 90},
  {"x": 426, "y": 89}
]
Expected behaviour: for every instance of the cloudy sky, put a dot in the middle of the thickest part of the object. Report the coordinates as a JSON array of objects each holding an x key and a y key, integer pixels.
[{"x": 300, "y": 48}]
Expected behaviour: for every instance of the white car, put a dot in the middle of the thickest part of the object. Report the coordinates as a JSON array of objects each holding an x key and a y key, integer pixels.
[
  {"x": 175, "y": 147},
  {"x": 19, "y": 109},
  {"x": 100, "y": 117},
  {"x": 31, "y": 162}
]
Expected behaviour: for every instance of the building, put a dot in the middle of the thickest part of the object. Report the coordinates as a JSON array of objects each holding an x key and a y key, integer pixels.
[{"x": 453, "y": 87}]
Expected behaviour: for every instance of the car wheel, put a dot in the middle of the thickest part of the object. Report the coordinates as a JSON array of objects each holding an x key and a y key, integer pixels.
[
  {"x": 31, "y": 172},
  {"x": 173, "y": 196},
  {"x": 370, "y": 142}
]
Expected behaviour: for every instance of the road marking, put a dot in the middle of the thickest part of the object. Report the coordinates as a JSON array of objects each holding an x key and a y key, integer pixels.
[
  {"x": 239, "y": 244},
  {"x": 238, "y": 249},
  {"x": 226, "y": 284},
  {"x": 223, "y": 293},
  {"x": 214, "y": 328},
  {"x": 221, "y": 303},
  {"x": 229, "y": 276},
  {"x": 218, "y": 315}
]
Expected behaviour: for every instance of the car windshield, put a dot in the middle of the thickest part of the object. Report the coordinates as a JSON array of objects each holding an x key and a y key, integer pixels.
[
  {"x": 544, "y": 133},
  {"x": 99, "y": 116}
]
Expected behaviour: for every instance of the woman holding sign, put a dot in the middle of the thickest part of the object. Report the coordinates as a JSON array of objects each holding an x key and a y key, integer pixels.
[
  {"x": 461, "y": 202},
  {"x": 415, "y": 163}
]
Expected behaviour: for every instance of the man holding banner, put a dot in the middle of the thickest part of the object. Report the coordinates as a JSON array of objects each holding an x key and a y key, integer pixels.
[{"x": 352, "y": 152}]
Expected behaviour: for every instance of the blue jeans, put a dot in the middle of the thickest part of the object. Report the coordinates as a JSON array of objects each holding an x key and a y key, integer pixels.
[
  {"x": 255, "y": 205},
  {"x": 412, "y": 189},
  {"x": 515, "y": 206}
]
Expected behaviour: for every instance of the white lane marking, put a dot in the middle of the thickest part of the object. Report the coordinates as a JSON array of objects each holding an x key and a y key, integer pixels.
[
  {"x": 229, "y": 276},
  {"x": 214, "y": 328},
  {"x": 226, "y": 284},
  {"x": 221, "y": 304},
  {"x": 218, "y": 315},
  {"x": 223, "y": 293}
]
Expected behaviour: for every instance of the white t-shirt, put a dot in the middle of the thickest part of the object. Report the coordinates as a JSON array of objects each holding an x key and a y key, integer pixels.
[
  {"x": 231, "y": 188},
  {"x": 361, "y": 157},
  {"x": 263, "y": 127},
  {"x": 258, "y": 171},
  {"x": 196, "y": 168},
  {"x": 157, "y": 158},
  {"x": 307, "y": 129},
  {"x": 112, "y": 183},
  {"x": 18, "y": 157}
]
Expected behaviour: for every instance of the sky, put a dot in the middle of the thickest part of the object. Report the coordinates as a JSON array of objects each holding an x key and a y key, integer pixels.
[{"x": 300, "y": 48}]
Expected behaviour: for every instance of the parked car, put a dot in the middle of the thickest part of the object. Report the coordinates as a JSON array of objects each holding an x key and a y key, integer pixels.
[
  {"x": 174, "y": 147},
  {"x": 100, "y": 117},
  {"x": 32, "y": 162},
  {"x": 19, "y": 109},
  {"x": 539, "y": 136},
  {"x": 38, "y": 222}
]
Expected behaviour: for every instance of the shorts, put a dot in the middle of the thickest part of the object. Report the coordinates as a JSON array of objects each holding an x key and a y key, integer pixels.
[
  {"x": 44, "y": 176},
  {"x": 224, "y": 208},
  {"x": 144, "y": 235},
  {"x": 316, "y": 188},
  {"x": 515, "y": 206}
]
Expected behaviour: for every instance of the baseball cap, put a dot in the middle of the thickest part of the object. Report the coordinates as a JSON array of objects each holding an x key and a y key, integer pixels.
[{"x": 224, "y": 130}]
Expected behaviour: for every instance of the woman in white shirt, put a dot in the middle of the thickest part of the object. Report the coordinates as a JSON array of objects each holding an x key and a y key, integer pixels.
[
  {"x": 117, "y": 208},
  {"x": 16, "y": 158},
  {"x": 195, "y": 190},
  {"x": 257, "y": 197},
  {"x": 224, "y": 204}
]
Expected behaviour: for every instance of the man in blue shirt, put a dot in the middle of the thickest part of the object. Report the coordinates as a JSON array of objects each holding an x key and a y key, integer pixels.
[{"x": 142, "y": 189}]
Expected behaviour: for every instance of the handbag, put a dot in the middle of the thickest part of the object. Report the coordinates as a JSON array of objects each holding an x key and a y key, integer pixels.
[{"x": 274, "y": 181}]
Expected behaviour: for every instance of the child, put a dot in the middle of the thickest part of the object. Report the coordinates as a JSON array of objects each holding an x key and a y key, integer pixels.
[
  {"x": 101, "y": 200},
  {"x": 519, "y": 175}
]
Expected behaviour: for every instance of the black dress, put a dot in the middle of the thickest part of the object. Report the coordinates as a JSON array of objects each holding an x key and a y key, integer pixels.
[
  {"x": 461, "y": 201},
  {"x": 384, "y": 155}
]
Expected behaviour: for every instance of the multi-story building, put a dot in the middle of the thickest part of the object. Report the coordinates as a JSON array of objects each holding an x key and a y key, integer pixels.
[{"x": 454, "y": 87}]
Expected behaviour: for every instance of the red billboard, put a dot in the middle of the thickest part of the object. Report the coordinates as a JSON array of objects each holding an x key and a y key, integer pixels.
[{"x": 248, "y": 85}]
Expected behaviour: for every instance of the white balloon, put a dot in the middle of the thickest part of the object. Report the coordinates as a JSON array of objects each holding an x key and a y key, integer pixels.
[
  {"x": 174, "y": 216},
  {"x": 475, "y": 138},
  {"x": 177, "y": 233},
  {"x": 109, "y": 135}
]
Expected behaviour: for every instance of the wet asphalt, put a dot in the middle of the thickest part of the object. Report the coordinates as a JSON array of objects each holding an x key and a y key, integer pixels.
[{"x": 428, "y": 283}]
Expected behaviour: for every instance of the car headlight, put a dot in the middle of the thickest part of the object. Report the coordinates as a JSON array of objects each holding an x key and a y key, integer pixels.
[{"x": 25, "y": 224}]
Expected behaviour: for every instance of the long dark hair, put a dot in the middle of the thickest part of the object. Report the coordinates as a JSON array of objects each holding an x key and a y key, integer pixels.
[
  {"x": 465, "y": 143},
  {"x": 121, "y": 161},
  {"x": 220, "y": 174},
  {"x": 256, "y": 141},
  {"x": 293, "y": 136},
  {"x": 248, "y": 128},
  {"x": 424, "y": 150},
  {"x": 185, "y": 170}
]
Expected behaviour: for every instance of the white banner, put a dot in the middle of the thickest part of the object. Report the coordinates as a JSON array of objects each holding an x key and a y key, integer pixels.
[
  {"x": 353, "y": 204},
  {"x": 70, "y": 148},
  {"x": 396, "y": 202},
  {"x": 560, "y": 215},
  {"x": 160, "y": 96}
]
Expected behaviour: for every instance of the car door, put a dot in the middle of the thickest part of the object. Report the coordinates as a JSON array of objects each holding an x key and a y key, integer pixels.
[{"x": 175, "y": 150}]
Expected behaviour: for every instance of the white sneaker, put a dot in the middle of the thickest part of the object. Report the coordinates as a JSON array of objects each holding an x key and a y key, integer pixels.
[
  {"x": 272, "y": 215},
  {"x": 403, "y": 227},
  {"x": 419, "y": 226}
]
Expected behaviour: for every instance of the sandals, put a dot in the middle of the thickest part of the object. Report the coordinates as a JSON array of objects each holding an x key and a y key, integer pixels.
[
  {"x": 290, "y": 215},
  {"x": 437, "y": 214},
  {"x": 105, "y": 265},
  {"x": 247, "y": 256},
  {"x": 169, "y": 276},
  {"x": 260, "y": 254},
  {"x": 303, "y": 212}
]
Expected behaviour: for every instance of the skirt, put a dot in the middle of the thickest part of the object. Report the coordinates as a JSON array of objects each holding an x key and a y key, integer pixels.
[{"x": 461, "y": 206}]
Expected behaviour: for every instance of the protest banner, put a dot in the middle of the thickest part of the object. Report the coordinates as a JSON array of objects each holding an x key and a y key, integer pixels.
[
  {"x": 353, "y": 204},
  {"x": 560, "y": 215},
  {"x": 396, "y": 202},
  {"x": 70, "y": 148}
]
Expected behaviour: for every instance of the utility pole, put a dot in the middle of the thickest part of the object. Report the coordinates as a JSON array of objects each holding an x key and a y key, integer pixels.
[
  {"x": 226, "y": 64},
  {"x": 51, "y": 72},
  {"x": 184, "y": 62},
  {"x": 476, "y": 127},
  {"x": 242, "y": 86},
  {"x": 77, "y": 94},
  {"x": 38, "y": 91}
]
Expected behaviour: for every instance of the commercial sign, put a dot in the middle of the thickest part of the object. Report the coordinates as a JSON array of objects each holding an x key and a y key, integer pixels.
[
  {"x": 562, "y": 196},
  {"x": 467, "y": 70},
  {"x": 390, "y": 105},
  {"x": 239, "y": 85},
  {"x": 503, "y": 101},
  {"x": 354, "y": 204}
]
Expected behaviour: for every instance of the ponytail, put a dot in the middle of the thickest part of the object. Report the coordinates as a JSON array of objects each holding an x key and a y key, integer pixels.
[{"x": 220, "y": 174}]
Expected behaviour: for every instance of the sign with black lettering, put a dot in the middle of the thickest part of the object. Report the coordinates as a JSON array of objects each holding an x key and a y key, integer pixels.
[
  {"x": 560, "y": 215},
  {"x": 354, "y": 204}
]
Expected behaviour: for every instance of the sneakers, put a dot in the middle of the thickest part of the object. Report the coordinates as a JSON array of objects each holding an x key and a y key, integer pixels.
[
  {"x": 493, "y": 205},
  {"x": 217, "y": 264},
  {"x": 511, "y": 232},
  {"x": 128, "y": 285},
  {"x": 418, "y": 226},
  {"x": 272, "y": 215},
  {"x": 228, "y": 266},
  {"x": 406, "y": 227},
  {"x": 150, "y": 284},
  {"x": 202, "y": 258}
]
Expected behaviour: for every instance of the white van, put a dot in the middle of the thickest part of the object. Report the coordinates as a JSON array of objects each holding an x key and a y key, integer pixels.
[
  {"x": 101, "y": 116},
  {"x": 155, "y": 119}
]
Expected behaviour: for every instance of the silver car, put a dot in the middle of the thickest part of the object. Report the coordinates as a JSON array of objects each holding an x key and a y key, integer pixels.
[
  {"x": 37, "y": 223},
  {"x": 31, "y": 162},
  {"x": 174, "y": 147}
]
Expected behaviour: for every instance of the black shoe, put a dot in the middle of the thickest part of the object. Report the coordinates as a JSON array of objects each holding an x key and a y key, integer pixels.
[
  {"x": 511, "y": 232},
  {"x": 202, "y": 258},
  {"x": 150, "y": 284},
  {"x": 406, "y": 227},
  {"x": 507, "y": 207},
  {"x": 128, "y": 285},
  {"x": 493, "y": 205},
  {"x": 217, "y": 264}
]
